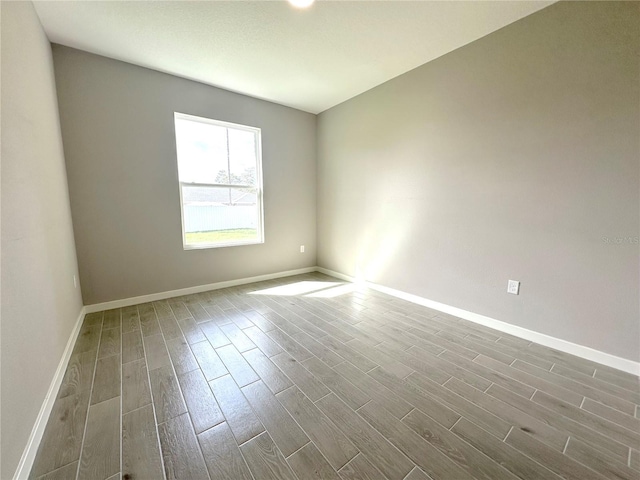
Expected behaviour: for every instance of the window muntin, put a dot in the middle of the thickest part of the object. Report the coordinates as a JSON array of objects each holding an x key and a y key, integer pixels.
[{"x": 220, "y": 175}]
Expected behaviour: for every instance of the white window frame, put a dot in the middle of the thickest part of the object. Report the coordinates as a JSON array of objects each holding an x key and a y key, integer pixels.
[{"x": 259, "y": 195}]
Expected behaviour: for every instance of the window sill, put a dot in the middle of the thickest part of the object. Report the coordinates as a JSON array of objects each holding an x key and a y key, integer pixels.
[{"x": 204, "y": 246}]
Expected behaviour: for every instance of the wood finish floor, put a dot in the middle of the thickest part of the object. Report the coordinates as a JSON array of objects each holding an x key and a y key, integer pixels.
[{"x": 305, "y": 377}]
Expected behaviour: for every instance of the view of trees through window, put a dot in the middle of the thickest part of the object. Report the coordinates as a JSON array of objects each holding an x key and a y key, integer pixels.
[{"x": 247, "y": 177}]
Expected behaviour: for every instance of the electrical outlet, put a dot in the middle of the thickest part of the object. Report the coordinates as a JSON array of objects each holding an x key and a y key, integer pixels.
[
  {"x": 513, "y": 287},
  {"x": 301, "y": 248}
]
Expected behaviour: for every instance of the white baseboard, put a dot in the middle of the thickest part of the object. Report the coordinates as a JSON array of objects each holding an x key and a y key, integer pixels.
[
  {"x": 341, "y": 276},
  {"x": 587, "y": 353},
  {"x": 29, "y": 453},
  {"x": 153, "y": 297}
]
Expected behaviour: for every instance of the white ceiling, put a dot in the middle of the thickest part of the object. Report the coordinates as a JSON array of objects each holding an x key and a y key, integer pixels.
[{"x": 308, "y": 59}]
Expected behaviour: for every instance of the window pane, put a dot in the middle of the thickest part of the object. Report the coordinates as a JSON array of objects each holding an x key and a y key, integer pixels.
[
  {"x": 220, "y": 215},
  {"x": 206, "y": 152},
  {"x": 202, "y": 152},
  {"x": 242, "y": 157}
]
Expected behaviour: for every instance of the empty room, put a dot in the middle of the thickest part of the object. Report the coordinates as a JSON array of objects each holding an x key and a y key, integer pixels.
[{"x": 341, "y": 240}]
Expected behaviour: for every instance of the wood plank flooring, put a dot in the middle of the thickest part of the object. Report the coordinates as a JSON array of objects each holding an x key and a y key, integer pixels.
[{"x": 308, "y": 377}]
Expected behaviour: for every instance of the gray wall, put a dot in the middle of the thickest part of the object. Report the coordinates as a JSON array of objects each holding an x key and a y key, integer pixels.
[
  {"x": 117, "y": 126},
  {"x": 39, "y": 302},
  {"x": 510, "y": 158}
]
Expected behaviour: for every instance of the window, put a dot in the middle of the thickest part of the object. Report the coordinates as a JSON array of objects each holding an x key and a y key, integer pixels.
[{"x": 220, "y": 174}]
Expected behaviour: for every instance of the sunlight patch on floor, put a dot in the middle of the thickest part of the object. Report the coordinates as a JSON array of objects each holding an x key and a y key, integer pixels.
[
  {"x": 334, "y": 291},
  {"x": 298, "y": 288}
]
